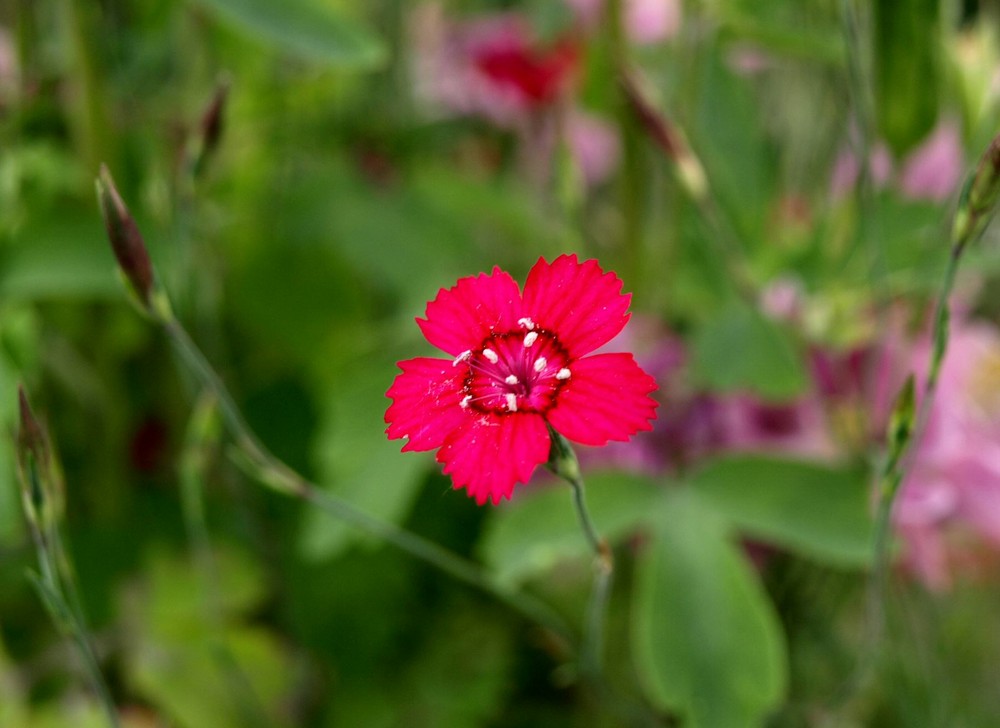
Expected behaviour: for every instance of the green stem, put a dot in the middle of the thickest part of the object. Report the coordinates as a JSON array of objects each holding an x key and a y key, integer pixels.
[
  {"x": 54, "y": 584},
  {"x": 194, "y": 460},
  {"x": 267, "y": 469},
  {"x": 563, "y": 462},
  {"x": 593, "y": 638},
  {"x": 631, "y": 176}
]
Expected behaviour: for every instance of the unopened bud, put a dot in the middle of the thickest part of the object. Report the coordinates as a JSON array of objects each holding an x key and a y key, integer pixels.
[
  {"x": 562, "y": 458},
  {"x": 901, "y": 425},
  {"x": 32, "y": 459},
  {"x": 211, "y": 127},
  {"x": 979, "y": 198},
  {"x": 666, "y": 136},
  {"x": 126, "y": 240}
]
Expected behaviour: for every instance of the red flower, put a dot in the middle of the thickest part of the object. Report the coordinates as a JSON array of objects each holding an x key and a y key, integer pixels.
[
  {"x": 536, "y": 76},
  {"x": 520, "y": 363}
]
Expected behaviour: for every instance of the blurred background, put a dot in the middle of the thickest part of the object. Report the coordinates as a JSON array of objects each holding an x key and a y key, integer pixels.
[{"x": 773, "y": 181}]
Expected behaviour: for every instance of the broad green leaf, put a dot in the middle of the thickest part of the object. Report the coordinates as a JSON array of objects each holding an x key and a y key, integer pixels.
[
  {"x": 740, "y": 349},
  {"x": 708, "y": 644},
  {"x": 196, "y": 657},
  {"x": 66, "y": 256},
  {"x": 457, "y": 643},
  {"x": 907, "y": 69},
  {"x": 306, "y": 28},
  {"x": 817, "y": 510},
  {"x": 540, "y": 526},
  {"x": 359, "y": 462}
]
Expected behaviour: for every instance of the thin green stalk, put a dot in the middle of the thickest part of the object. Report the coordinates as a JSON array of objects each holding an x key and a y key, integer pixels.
[
  {"x": 264, "y": 467},
  {"x": 198, "y": 441},
  {"x": 563, "y": 462},
  {"x": 631, "y": 184},
  {"x": 597, "y": 609},
  {"x": 55, "y": 581}
]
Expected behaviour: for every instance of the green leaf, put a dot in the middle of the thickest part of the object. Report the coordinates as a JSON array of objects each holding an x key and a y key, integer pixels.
[
  {"x": 362, "y": 465},
  {"x": 741, "y": 349},
  {"x": 540, "y": 527},
  {"x": 707, "y": 642},
  {"x": 65, "y": 256},
  {"x": 305, "y": 28},
  {"x": 819, "y": 511},
  {"x": 907, "y": 69}
]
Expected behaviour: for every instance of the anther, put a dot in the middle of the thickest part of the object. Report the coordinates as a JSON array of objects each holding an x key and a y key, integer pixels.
[
  {"x": 562, "y": 373},
  {"x": 464, "y": 356},
  {"x": 491, "y": 356},
  {"x": 530, "y": 338},
  {"x": 511, "y": 379},
  {"x": 464, "y": 404},
  {"x": 511, "y": 401},
  {"x": 540, "y": 364},
  {"x": 526, "y": 323}
]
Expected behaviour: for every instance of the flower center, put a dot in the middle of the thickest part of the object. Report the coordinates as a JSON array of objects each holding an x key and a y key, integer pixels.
[{"x": 518, "y": 371}]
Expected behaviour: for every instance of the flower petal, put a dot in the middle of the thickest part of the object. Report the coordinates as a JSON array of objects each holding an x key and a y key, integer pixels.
[
  {"x": 578, "y": 302},
  {"x": 605, "y": 398},
  {"x": 462, "y": 316},
  {"x": 425, "y": 403},
  {"x": 491, "y": 453}
]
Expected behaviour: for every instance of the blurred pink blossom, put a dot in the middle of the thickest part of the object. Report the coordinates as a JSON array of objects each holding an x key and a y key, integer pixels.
[
  {"x": 846, "y": 170},
  {"x": 934, "y": 169},
  {"x": 782, "y": 299},
  {"x": 492, "y": 67},
  {"x": 953, "y": 484},
  {"x": 749, "y": 60},
  {"x": 594, "y": 145},
  {"x": 489, "y": 66},
  {"x": 645, "y": 21}
]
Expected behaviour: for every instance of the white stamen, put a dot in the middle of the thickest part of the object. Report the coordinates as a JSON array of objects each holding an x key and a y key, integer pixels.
[
  {"x": 464, "y": 404},
  {"x": 511, "y": 401},
  {"x": 530, "y": 338},
  {"x": 540, "y": 364},
  {"x": 526, "y": 323},
  {"x": 511, "y": 379},
  {"x": 491, "y": 356},
  {"x": 563, "y": 373},
  {"x": 464, "y": 356}
]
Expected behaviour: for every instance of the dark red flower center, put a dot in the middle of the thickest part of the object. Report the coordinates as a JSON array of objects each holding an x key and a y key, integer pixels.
[{"x": 517, "y": 371}]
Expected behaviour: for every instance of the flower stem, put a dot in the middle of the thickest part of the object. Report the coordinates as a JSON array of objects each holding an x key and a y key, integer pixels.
[
  {"x": 255, "y": 459},
  {"x": 593, "y": 639},
  {"x": 563, "y": 462},
  {"x": 55, "y": 580}
]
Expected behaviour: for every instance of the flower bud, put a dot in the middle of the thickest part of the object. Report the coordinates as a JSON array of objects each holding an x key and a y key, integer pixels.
[
  {"x": 211, "y": 126},
  {"x": 126, "y": 241},
  {"x": 667, "y": 137},
  {"x": 900, "y": 429},
  {"x": 979, "y": 197},
  {"x": 32, "y": 459}
]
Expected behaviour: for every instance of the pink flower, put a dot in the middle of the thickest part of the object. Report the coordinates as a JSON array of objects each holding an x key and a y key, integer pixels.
[
  {"x": 520, "y": 365},
  {"x": 952, "y": 488},
  {"x": 934, "y": 169},
  {"x": 846, "y": 170},
  {"x": 645, "y": 21},
  {"x": 490, "y": 66}
]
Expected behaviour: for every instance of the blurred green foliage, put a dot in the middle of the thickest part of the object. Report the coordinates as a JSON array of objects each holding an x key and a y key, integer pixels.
[{"x": 334, "y": 206}]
